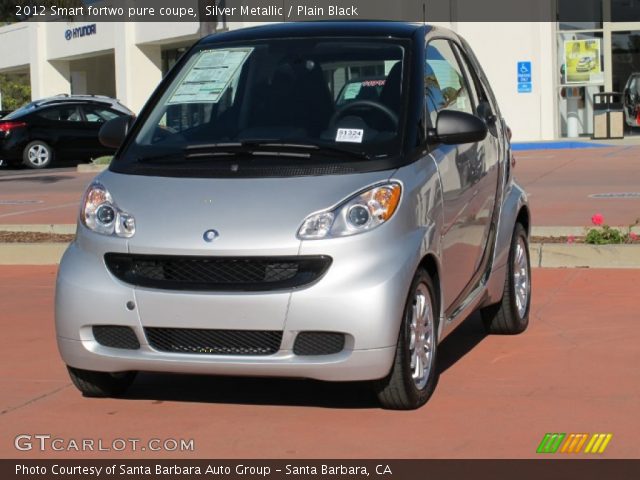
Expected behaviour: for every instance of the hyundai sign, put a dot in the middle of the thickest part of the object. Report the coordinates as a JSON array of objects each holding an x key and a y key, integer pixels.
[{"x": 78, "y": 32}]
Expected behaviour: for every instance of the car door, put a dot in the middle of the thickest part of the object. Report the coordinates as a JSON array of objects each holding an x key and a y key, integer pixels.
[
  {"x": 489, "y": 152},
  {"x": 58, "y": 126},
  {"x": 94, "y": 117},
  {"x": 463, "y": 170}
]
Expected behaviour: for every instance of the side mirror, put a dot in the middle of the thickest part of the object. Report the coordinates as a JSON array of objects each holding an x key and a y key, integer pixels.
[
  {"x": 453, "y": 128},
  {"x": 113, "y": 133}
]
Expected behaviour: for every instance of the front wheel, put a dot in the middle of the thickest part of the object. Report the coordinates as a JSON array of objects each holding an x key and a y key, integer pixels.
[
  {"x": 100, "y": 384},
  {"x": 413, "y": 376},
  {"x": 511, "y": 315},
  {"x": 37, "y": 154}
]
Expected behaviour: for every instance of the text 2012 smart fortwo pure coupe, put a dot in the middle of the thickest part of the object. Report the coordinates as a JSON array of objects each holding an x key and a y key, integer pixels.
[{"x": 250, "y": 226}]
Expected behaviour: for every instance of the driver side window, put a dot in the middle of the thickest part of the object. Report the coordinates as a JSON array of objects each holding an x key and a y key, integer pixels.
[{"x": 445, "y": 85}]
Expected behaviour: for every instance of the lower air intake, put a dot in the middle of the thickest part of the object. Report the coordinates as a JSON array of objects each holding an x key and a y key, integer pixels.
[
  {"x": 214, "y": 342},
  {"x": 318, "y": 343},
  {"x": 114, "y": 336}
]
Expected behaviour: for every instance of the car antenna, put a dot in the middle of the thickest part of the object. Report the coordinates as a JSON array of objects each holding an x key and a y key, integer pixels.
[{"x": 424, "y": 13}]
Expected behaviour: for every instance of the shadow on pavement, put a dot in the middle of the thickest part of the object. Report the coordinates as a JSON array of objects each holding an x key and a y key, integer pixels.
[
  {"x": 251, "y": 391},
  {"x": 48, "y": 179},
  {"x": 289, "y": 392},
  {"x": 460, "y": 342}
]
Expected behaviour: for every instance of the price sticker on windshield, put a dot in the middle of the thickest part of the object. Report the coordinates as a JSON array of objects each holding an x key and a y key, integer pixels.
[{"x": 352, "y": 135}]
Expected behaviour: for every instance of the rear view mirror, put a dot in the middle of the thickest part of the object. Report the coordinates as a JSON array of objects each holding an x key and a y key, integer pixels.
[
  {"x": 453, "y": 128},
  {"x": 113, "y": 133}
]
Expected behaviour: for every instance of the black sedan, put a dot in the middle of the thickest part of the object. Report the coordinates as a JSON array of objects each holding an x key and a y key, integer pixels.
[{"x": 57, "y": 127}]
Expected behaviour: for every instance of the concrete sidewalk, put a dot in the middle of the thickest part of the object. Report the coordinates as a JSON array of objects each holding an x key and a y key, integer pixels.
[{"x": 549, "y": 255}]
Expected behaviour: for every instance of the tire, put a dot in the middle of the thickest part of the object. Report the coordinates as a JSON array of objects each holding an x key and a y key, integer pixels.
[
  {"x": 404, "y": 388},
  {"x": 37, "y": 154},
  {"x": 100, "y": 384},
  {"x": 511, "y": 315}
]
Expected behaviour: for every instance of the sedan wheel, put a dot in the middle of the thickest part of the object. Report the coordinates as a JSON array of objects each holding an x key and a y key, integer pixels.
[
  {"x": 37, "y": 155},
  {"x": 414, "y": 375},
  {"x": 511, "y": 315}
]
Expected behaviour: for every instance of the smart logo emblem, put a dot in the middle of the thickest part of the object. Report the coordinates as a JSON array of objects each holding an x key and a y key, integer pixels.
[
  {"x": 210, "y": 235},
  {"x": 574, "y": 442},
  {"x": 78, "y": 32}
]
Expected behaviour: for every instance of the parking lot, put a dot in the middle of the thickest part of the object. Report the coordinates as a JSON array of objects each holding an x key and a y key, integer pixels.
[
  {"x": 574, "y": 370},
  {"x": 561, "y": 184}
]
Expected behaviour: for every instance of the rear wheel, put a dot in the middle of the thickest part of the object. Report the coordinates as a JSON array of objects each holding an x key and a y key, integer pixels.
[
  {"x": 37, "y": 154},
  {"x": 511, "y": 315},
  {"x": 100, "y": 384},
  {"x": 413, "y": 376}
]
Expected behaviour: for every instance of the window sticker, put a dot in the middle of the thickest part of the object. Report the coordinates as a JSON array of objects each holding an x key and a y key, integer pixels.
[
  {"x": 351, "y": 135},
  {"x": 352, "y": 90},
  {"x": 210, "y": 76}
]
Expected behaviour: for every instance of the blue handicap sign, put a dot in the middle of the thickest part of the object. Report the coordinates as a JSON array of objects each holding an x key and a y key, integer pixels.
[{"x": 525, "y": 83}]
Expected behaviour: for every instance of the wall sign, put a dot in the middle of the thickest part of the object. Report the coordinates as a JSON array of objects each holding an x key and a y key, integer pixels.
[
  {"x": 79, "y": 32},
  {"x": 525, "y": 84}
]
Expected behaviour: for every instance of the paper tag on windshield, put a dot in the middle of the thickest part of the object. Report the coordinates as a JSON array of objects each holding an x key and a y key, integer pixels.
[{"x": 352, "y": 135}]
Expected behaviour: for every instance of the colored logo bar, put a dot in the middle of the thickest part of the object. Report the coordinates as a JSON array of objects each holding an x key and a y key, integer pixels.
[{"x": 574, "y": 443}]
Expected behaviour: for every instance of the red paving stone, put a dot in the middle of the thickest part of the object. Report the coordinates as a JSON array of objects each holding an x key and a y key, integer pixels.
[
  {"x": 574, "y": 370},
  {"x": 55, "y": 196},
  {"x": 559, "y": 181}
]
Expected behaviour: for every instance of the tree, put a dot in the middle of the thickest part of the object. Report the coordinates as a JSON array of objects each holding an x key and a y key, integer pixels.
[{"x": 16, "y": 91}]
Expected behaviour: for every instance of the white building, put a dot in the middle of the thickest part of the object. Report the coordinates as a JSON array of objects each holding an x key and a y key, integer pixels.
[{"x": 128, "y": 60}]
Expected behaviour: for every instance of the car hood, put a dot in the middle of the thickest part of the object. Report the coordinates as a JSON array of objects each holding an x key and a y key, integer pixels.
[{"x": 251, "y": 216}]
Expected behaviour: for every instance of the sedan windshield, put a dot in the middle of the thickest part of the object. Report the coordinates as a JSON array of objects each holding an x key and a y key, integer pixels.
[{"x": 294, "y": 98}]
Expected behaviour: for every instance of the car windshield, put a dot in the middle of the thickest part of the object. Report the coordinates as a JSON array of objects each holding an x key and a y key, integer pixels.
[{"x": 295, "y": 94}]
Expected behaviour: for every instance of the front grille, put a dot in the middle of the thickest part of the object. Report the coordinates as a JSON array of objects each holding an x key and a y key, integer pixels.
[
  {"x": 214, "y": 342},
  {"x": 216, "y": 273},
  {"x": 116, "y": 337},
  {"x": 318, "y": 343}
]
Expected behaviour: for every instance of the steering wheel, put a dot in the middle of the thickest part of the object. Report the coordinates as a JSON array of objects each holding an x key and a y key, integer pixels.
[{"x": 365, "y": 104}]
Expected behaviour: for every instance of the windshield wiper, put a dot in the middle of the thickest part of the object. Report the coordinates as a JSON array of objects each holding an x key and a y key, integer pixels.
[
  {"x": 312, "y": 148},
  {"x": 219, "y": 150},
  {"x": 267, "y": 148}
]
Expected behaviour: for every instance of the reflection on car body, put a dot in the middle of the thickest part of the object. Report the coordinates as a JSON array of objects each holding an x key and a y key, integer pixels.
[{"x": 252, "y": 224}]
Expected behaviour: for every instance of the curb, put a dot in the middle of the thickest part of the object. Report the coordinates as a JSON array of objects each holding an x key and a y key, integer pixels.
[
  {"x": 549, "y": 255},
  {"x": 31, "y": 253},
  {"x": 59, "y": 229},
  {"x": 90, "y": 168},
  {"x": 554, "y": 255}
]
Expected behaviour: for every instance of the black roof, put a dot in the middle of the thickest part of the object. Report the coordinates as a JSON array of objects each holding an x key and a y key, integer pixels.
[{"x": 319, "y": 29}]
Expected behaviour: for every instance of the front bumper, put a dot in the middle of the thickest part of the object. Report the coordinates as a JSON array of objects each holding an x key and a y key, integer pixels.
[{"x": 362, "y": 296}]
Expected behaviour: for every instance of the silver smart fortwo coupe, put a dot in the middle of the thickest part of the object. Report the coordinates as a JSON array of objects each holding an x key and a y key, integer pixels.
[{"x": 250, "y": 225}]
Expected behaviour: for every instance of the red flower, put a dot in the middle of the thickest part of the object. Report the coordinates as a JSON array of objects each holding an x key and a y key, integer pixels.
[
  {"x": 571, "y": 239},
  {"x": 597, "y": 219},
  {"x": 633, "y": 236}
]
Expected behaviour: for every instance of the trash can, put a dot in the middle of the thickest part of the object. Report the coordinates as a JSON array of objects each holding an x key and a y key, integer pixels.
[{"x": 608, "y": 116}]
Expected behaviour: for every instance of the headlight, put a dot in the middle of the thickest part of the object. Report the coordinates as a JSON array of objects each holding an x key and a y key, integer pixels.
[
  {"x": 101, "y": 214},
  {"x": 362, "y": 213}
]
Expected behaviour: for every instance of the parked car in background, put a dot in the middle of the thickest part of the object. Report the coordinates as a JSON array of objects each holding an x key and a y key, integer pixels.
[
  {"x": 249, "y": 225},
  {"x": 64, "y": 126},
  {"x": 631, "y": 100},
  {"x": 586, "y": 64}
]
